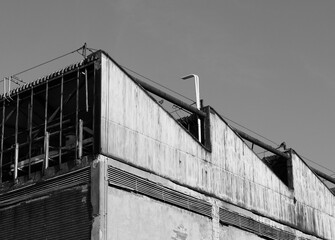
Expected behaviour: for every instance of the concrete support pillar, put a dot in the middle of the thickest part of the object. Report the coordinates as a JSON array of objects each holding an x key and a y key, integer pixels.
[
  {"x": 215, "y": 221},
  {"x": 98, "y": 198}
]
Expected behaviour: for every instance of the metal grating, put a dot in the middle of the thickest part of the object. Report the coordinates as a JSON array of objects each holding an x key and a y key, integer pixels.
[
  {"x": 71, "y": 179},
  {"x": 251, "y": 225},
  {"x": 62, "y": 215},
  {"x": 129, "y": 181},
  {"x": 63, "y": 212}
]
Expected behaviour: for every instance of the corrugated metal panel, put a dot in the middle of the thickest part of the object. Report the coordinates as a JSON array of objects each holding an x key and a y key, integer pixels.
[
  {"x": 126, "y": 180},
  {"x": 60, "y": 214},
  {"x": 251, "y": 225}
]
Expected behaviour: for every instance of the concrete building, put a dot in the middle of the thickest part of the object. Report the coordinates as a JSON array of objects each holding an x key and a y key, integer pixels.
[{"x": 88, "y": 153}]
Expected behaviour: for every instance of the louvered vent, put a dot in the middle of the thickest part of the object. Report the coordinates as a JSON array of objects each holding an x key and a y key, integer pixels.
[
  {"x": 68, "y": 180},
  {"x": 55, "y": 209},
  {"x": 249, "y": 224},
  {"x": 126, "y": 180}
]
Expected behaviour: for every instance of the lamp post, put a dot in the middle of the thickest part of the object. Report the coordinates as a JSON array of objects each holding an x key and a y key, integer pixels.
[{"x": 197, "y": 97}]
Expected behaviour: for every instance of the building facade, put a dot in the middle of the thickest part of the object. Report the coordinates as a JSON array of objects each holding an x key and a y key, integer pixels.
[{"x": 88, "y": 153}]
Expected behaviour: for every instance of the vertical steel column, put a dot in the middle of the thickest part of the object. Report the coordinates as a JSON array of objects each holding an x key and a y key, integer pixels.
[
  {"x": 86, "y": 90},
  {"x": 61, "y": 121},
  {"x": 16, "y": 161},
  {"x": 31, "y": 104},
  {"x": 77, "y": 113},
  {"x": 46, "y": 106},
  {"x": 16, "y": 138},
  {"x": 94, "y": 110},
  {"x": 46, "y": 147},
  {"x": 2, "y": 135},
  {"x": 45, "y": 120},
  {"x": 80, "y": 144},
  {"x": 4, "y": 85}
]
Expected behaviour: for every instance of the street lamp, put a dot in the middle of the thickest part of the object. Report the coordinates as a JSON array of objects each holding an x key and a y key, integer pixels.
[{"x": 197, "y": 97}]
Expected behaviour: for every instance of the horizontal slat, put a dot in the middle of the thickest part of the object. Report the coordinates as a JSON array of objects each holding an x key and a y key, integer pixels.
[
  {"x": 62, "y": 214},
  {"x": 71, "y": 179},
  {"x": 251, "y": 225},
  {"x": 128, "y": 181}
]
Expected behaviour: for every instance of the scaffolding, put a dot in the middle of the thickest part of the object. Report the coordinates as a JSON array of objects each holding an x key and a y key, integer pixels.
[{"x": 49, "y": 121}]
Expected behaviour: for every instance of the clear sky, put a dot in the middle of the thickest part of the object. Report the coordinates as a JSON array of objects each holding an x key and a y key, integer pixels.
[{"x": 268, "y": 65}]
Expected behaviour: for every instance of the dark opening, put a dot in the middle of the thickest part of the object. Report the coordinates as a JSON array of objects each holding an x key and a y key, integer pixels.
[
  {"x": 49, "y": 123},
  {"x": 282, "y": 167},
  {"x": 190, "y": 123}
]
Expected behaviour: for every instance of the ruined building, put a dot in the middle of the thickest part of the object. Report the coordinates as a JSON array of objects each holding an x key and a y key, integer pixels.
[{"x": 89, "y": 153}]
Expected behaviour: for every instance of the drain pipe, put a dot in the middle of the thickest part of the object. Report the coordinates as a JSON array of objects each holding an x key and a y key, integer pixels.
[{"x": 197, "y": 97}]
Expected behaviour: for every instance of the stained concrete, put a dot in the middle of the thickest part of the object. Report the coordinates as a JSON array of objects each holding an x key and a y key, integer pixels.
[
  {"x": 132, "y": 216},
  {"x": 136, "y": 129}
]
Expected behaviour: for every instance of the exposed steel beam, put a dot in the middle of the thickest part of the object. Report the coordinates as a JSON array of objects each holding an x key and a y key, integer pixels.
[
  {"x": 279, "y": 153},
  {"x": 323, "y": 175},
  {"x": 261, "y": 144},
  {"x": 169, "y": 98}
]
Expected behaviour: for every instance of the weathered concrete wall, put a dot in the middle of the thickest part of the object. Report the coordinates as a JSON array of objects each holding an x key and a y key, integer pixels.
[
  {"x": 132, "y": 216},
  {"x": 232, "y": 233},
  {"x": 122, "y": 206},
  {"x": 315, "y": 205},
  {"x": 136, "y": 129},
  {"x": 243, "y": 178}
]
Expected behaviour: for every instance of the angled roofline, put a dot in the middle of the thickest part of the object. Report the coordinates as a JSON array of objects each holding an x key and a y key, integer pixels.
[
  {"x": 138, "y": 83},
  {"x": 88, "y": 60},
  {"x": 314, "y": 171},
  {"x": 96, "y": 56}
]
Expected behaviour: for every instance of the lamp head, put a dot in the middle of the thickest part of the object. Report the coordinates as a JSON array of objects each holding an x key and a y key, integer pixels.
[{"x": 188, "y": 76}]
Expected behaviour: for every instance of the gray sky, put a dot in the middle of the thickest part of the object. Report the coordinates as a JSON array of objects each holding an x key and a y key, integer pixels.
[{"x": 268, "y": 65}]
